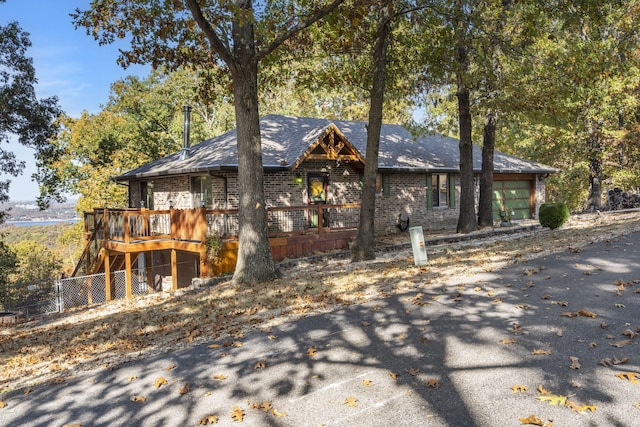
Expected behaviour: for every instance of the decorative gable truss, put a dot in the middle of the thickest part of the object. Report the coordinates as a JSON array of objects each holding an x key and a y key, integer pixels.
[{"x": 333, "y": 145}]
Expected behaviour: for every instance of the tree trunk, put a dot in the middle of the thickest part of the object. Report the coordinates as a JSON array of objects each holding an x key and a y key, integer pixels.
[
  {"x": 255, "y": 262},
  {"x": 485, "y": 208},
  {"x": 363, "y": 247},
  {"x": 467, "y": 220},
  {"x": 594, "y": 155}
]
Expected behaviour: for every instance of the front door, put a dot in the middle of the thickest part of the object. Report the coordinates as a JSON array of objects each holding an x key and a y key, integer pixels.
[{"x": 317, "y": 184}]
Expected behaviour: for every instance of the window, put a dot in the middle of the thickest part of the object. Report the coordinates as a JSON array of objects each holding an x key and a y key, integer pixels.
[
  {"x": 201, "y": 191},
  {"x": 146, "y": 194},
  {"x": 439, "y": 182},
  {"x": 383, "y": 184},
  {"x": 439, "y": 191}
]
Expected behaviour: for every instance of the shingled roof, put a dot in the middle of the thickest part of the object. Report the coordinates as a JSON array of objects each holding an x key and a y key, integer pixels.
[{"x": 286, "y": 139}]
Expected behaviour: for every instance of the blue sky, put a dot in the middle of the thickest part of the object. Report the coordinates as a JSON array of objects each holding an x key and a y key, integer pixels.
[{"x": 69, "y": 64}]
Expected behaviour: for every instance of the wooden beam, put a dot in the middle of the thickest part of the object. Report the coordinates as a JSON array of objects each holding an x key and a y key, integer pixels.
[
  {"x": 149, "y": 260},
  {"x": 174, "y": 270},
  {"x": 107, "y": 276},
  {"x": 127, "y": 267}
]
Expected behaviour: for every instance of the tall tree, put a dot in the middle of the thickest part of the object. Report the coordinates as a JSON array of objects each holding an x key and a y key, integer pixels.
[
  {"x": 142, "y": 121},
  {"x": 22, "y": 114},
  {"x": 467, "y": 220},
  {"x": 238, "y": 34},
  {"x": 363, "y": 246}
]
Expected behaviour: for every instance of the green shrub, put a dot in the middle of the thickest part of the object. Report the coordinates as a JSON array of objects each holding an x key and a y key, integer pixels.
[{"x": 553, "y": 215}]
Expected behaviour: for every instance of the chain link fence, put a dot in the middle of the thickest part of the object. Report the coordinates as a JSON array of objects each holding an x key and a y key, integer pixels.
[{"x": 86, "y": 290}]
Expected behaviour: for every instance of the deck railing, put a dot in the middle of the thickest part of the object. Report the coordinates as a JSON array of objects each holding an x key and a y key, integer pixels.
[{"x": 136, "y": 225}]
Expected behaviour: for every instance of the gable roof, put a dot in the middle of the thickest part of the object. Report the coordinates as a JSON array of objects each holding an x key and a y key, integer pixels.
[{"x": 287, "y": 141}]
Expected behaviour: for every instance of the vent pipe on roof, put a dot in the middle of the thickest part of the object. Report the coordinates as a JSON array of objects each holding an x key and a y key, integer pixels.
[{"x": 186, "y": 146}]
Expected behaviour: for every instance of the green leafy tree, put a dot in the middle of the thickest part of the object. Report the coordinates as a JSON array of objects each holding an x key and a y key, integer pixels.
[
  {"x": 8, "y": 263},
  {"x": 36, "y": 271},
  {"x": 141, "y": 122}
]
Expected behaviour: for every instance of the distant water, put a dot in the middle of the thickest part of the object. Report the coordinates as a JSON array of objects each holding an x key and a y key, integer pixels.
[{"x": 32, "y": 223}]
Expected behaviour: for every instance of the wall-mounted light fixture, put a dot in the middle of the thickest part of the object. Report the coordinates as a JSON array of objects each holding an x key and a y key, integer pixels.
[{"x": 297, "y": 179}]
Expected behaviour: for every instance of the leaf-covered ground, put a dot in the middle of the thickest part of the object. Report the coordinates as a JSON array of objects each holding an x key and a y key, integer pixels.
[{"x": 58, "y": 346}]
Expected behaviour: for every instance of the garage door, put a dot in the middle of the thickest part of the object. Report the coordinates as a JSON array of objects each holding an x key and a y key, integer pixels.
[{"x": 514, "y": 196}]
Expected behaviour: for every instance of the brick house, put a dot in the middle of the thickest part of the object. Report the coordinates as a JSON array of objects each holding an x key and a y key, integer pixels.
[
  {"x": 417, "y": 176},
  {"x": 312, "y": 178}
]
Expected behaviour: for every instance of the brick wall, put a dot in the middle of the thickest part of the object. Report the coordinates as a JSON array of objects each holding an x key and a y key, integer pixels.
[{"x": 407, "y": 194}]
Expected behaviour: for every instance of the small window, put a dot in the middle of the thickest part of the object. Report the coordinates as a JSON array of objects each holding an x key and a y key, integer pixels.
[
  {"x": 440, "y": 190},
  {"x": 201, "y": 195},
  {"x": 383, "y": 184},
  {"x": 146, "y": 194}
]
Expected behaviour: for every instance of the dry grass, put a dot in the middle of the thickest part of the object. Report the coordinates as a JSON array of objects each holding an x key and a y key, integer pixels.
[{"x": 55, "y": 346}]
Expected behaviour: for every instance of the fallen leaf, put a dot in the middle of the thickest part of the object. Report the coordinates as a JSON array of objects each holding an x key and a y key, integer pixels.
[
  {"x": 413, "y": 372},
  {"x": 516, "y": 327},
  {"x": 184, "y": 389},
  {"x": 367, "y": 383},
  {"x": 209, "y": 419},
  {"x": 636, "y": 405},
  {"x": 27, "y": 391},
  {"x": 543, "y": 390},
  {"x": 272, "y": 337},
  {"x": 575, "y": 362},
  {"x": 523, "y": 306},
  {"x": 539, "y": 352},
  {"x": 553, "y": 399},
  {"x": 58, "y": 380},
  {"x": 261, "y": 364},
  {"x": 312, "y": 351},
  {"x": 2, "y": 404},
  {"x": 214, "y": 346},
  {"x": 238, "y": 414},
  {"x": 433, "y": 383},
  {"x": 278, "y": 414},
  {"x": 532, "y": 420},
  {"x": 519, "y": 388},
  {"x": 507, "y": 341},
  {"x": 365, "y": 324},
  {"x": 587, "y": 313},
  {"x": 140, "y": 399},
  {"x": 131, "y": 378},
  {"x": 629, "y": 333},
  {"x": 159, "y": 382},
  {"x": 630, "y": 376},
  {"x": 393, "y": 375},
  {"x": 611, "y": 361},
  {"x": 170, "y": 367},
  {"x": 72, "y": 425},
  {"x": 620, "y": 343},
  {"x": 351, "y": 401},
  {"x": 219, "y": 377},
  {"x": 578, "y": 407}
]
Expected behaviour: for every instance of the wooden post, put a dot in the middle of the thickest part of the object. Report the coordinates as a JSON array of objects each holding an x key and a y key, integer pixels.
[
  {"x": 174, "y": 270},
  {"x": 127, "y": 268},
  {"x": 125, "y": 224},
  {"x": 148, "y": 261},
  {"x": 107, "y": 276}
]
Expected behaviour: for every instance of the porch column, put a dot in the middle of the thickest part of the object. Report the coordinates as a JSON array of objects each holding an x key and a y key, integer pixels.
[
  {"x": 149, "y": 260},
  {"x": 127, "y": 279},
  {"x": 174, "y": 270},
  {"x": 107, "y": 276}
]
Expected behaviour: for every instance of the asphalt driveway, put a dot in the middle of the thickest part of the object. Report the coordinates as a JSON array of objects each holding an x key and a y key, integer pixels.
[{"x": 485, "y": 350}]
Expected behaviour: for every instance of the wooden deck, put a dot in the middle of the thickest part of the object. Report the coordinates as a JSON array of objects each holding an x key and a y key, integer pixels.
[{"x": 115, "y": 238}]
